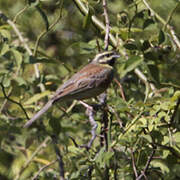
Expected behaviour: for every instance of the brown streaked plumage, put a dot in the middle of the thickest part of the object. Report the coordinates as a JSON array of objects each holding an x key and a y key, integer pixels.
[{"x": 89, "y": 82}]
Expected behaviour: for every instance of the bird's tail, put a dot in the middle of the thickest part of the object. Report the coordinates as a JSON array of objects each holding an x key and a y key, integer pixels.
[{"x": 39, "y": 114}]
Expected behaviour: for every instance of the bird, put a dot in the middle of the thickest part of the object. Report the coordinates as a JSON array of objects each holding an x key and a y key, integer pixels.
[{"x": 92, "y": 80}]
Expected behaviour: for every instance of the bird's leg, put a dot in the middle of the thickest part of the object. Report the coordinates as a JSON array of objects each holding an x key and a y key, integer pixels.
[
  {"x": 90, "y": 112},
  {"x": 94, "y": 127}
]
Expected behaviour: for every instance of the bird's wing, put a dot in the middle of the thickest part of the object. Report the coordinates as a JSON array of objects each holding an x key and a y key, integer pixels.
[{"x": 82, "y": 81}]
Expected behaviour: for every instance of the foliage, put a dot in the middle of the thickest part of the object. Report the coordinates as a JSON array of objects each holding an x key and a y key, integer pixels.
[{"x": 143, "y": 131}]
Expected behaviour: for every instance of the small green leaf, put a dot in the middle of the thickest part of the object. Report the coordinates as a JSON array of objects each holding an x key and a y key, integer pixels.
[
  {"x": 44, "y": 16},
  {"x": 5, "y": 33},
  {"x": 177, "y": 137},
  {"x": 160, "y": 164},
  {"x": 36, "y": 97},
  {"x": 18, "y": 57},
  {"x": 131, "y": 64},
  {"x": 154, "y": 72},
  {"x": 175, "y": 96},
  {"x": 4, "y": 48},
  {"x": 145, "y": 45},
  {"x": 87, "y": 20},
  {"x": 20, "y": 81},
  {"x": 130, "y": 46},
  {"x": 161, "y": 37},
  {"x": 147, "y": 23}
]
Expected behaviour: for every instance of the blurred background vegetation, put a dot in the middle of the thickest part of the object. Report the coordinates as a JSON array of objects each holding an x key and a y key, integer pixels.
[{"x": 143, "y": 125}]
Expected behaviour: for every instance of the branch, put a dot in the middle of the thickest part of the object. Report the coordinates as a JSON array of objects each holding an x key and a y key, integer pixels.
[
  {"x": 43, "y": 144},
  {"x": 13, "y": 101},
  {"x": 59, "y": 157},
  {"x": 147, "y": 165},
  {"x": 170, "y": 28},
  {"x": 16, "y": 30},
  {"x": 47, "y": 31},
  {"x": 42, "y": 169},
  {"x": 106, "y": 38},
  {"x": 134, "y": 164}
]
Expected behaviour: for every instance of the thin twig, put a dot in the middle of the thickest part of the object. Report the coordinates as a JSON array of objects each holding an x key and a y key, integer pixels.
[
  {"x": 90, "y": 112},
  {"x": 171, "y": 14},
  {"x": 19, "y": 13},
  {"x": 13, "y": 101},
  {"x": 6, "y": 100},
  {"x": 134, "y": 164},
  {"x": 121, "y": 89},
  {"x": 106, "y": 38},
  {"x": 42, "y": 169},
  {"x": 47, "y": 31},
  {"x": 170, "y": 28},
  {"x": 147, "y": 165},
  {"x": 42, "y": 145},
  {"x": 59, "y": 157}
]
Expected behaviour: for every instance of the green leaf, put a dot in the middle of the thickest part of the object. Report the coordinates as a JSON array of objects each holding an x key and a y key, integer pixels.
[
  {"x": 87, "y": 20},
  {"x": 145, "y": 45},
  {"x": 75, "y": 150},
  {"x": 177, "y": 137},
  {"x": 37, "y": 97},
  {"x": 160, "y": 164},
  {"x": 18, "y": 57},
  {"x": 20, "y": 81},
  {"x": 5, "y": 33},
  {"x": 147, "y": 23},
  {"x": 131, "y": 64},
  {"x": 44, "y": 16},
  {"x": 161, "y": 37},
  {"x": 130, "y": 46},
  {"x": 4, "y": 48},
  {"x": 33, "y": 60},
  {"x": 175, "y": 96},
  {"x": 154, "y": 72}
]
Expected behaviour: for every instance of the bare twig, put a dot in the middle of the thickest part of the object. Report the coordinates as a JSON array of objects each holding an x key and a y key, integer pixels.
[
  {"x": 6, "y": 100},
  {"x": 59, "y": 157},
  {"x": 121, "y": 89},
  {"x": 171, "y": 14},
  {"x": 94, "y": 127},
  {"x": 90, "y": 112},
  {"x": 13, "y": 101},
  {"x": 42, "y": 169},
  {"x": 106, "y": 38},
  {"x": 134, "y": 164},
  {"x": 147, "y": 165},
  {"x": 42, "y": 145},
  {"x": 19, "y": 13}
]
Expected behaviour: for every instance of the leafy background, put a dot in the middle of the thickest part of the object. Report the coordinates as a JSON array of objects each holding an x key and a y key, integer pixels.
[{"x": 143, "y": 131}]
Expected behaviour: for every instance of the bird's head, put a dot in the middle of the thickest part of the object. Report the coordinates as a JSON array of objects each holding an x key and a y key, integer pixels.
[{"x": 107, "y": 57}]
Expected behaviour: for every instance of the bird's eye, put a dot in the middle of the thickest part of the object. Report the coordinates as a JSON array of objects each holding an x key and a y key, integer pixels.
[{"x": 111, "y": 62}]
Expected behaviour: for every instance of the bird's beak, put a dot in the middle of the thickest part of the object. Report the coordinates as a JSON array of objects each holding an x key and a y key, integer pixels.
[{"x": 116, "y": 56}]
